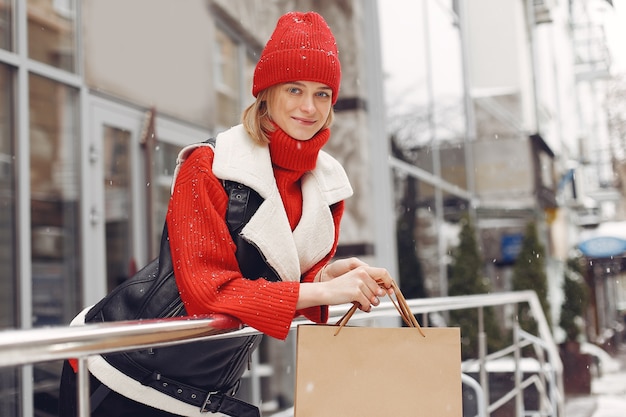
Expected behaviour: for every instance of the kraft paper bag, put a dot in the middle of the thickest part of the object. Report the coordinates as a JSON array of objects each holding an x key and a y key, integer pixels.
[
  {"x": 364, "y": 371},
  {"x": 378, "y": 372}
]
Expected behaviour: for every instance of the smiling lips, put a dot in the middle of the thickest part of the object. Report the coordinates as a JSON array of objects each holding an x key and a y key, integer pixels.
[{"x": 304, "y": 121}]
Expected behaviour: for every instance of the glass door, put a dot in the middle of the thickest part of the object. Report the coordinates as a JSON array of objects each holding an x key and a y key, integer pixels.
[
  {"x": 113, "y": 222},
  {"x": 131, "y": 157}
]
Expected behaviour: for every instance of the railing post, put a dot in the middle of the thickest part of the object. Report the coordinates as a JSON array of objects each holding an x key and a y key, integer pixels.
[
  {"x": 519, "y": 396},
  {"x": 482, "y": 354},
  {"x": 82, "y": 388},
  {"x": 255, "y": 378},
  {"x": 541, "y": 357}
]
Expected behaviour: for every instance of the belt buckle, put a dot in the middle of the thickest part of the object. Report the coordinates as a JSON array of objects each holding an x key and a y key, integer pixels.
[{"x": 207, "y": 402}]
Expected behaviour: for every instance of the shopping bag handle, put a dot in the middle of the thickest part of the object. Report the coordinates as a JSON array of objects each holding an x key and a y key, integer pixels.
[{"x": 399, "y": 303}]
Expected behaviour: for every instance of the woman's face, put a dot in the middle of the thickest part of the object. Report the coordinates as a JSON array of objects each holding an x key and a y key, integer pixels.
[{"x": 300, "y": 108}]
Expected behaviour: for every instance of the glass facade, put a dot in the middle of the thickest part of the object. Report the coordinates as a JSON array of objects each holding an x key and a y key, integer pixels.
[
  {"x": 233, "y": 69},
  {"x": 120, "y": 261},
  {"x": 52, "y": 33},
  {"x": 39, "y": 187},
  {"x": 8, "y": 243},
  {"x": 164, "y": 162},
  {"x": 55, "y": 215},
  {"x": 428, "y": 126},
  {"x": 6, "y": 24},
  {"x": 8, "y": 317},
  {"x": 54, "y": 145}
]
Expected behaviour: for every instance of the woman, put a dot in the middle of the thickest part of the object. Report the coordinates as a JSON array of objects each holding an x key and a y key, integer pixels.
[{"x": 276, "y": 153}]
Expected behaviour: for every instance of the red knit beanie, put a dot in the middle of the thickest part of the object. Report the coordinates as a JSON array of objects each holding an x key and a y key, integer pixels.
[{"x": 302, "y": 48}]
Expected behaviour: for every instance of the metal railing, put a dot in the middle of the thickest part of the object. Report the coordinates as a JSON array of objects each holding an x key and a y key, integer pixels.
[{"x": 25, "y": 347}]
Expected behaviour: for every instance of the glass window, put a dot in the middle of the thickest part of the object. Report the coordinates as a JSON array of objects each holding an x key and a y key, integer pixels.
[
  {"x": 55, "y": 255},
  {"x": 117, "y": 211},
  {"x": 52, "y": 33},
  {"x": 233, "y": 78},
  {"x": 6, "y": 24},
  {"x": 8, "y": 278},
  {"x": 9, "y": 401},
  {"x": 164, "y": 163},
  {"x": 250, "y": 65},
  {"x": 453, "y": 165},
  {"x": 54, "y": 144},
  {"x": 226, "y": 82}
]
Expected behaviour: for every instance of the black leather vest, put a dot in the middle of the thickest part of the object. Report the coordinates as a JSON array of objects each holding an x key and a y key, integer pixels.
[{"x": 152, "y": 293}]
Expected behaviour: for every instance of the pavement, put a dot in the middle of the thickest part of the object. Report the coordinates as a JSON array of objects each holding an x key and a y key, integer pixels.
[{"x": 608, "y": 393}]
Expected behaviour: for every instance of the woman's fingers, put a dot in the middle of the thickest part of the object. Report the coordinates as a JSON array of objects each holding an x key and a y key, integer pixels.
[
  {"x": 369, "y": 287},
  {"x": 343, "y": 266},
  {"x": 381, "y": 276},
  {"x": 358, "y": 283}
]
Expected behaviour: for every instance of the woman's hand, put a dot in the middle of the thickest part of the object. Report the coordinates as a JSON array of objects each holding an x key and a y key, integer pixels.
[
  {"x": 346, "y": 281},
  {"x": 338, "y": 268}
]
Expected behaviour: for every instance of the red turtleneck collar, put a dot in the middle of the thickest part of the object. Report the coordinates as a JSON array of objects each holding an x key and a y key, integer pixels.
[
  {"x": 291, "y": 159},
  {"x": 296, "y": 155}
]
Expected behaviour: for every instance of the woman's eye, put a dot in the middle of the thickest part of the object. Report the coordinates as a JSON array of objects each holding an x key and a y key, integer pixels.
[
  {"x": 293, "y": 90},
  {"x": 323, "y": 94}
]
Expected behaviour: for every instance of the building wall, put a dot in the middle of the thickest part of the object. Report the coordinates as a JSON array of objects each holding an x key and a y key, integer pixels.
[{"x": 152, "y": 53}]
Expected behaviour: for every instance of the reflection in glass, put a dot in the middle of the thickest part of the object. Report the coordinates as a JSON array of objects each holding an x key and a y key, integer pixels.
[
  {"x": 54, "y": 145},
  {"x": 52, "y": 33},
  {"x": 427, "y": 126},
  {"x": 226, "y": 79},
  {"x": 452, "y": 163},
  {"x": 54, "y": 184},
  {"x": 120, "y": 261},
  {"x": 233, "y": 78},
  {"x": 7, "y": 204},
  {"x": 8, "y": 277},
  {"x": 164, "y": 162},
  {"x": 9, "y": 401},
  {"x": 6, "y": 24},
  {"x": 250, "y": 64}
]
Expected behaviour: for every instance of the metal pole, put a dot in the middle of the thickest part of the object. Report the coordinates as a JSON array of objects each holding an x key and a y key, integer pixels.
[
  {"x": 482, "y": 355},
  {"x": 434, "y": 146},
  {"x": 384, "y": 226},
  {"x": 23, "y": 191},
  {"x": 468, "y": 103},
  {"x": 82, "y": 388},
  {"x": 517, "y": 375}
]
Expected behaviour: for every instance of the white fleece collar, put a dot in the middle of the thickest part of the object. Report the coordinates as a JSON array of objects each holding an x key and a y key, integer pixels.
[{"x": 238, "y": 158}]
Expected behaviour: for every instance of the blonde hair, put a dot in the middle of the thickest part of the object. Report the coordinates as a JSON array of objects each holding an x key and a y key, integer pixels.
[{"x": 257, "y": 121}]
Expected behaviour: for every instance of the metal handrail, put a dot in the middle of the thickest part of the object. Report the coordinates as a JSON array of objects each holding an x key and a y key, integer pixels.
[{"x": 29, "y": 346}]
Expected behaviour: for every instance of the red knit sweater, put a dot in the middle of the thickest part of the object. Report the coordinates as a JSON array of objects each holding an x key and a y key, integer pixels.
[{"x": 203, "y": 253}]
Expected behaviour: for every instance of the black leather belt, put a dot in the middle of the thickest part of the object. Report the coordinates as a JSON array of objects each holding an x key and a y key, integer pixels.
[
  {"x": 217, "y": 402},
  {"x": 207, "y": 401}
]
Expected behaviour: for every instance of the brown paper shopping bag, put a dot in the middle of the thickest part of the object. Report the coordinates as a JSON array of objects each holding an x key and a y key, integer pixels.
[{"x": 378, "y": 372}]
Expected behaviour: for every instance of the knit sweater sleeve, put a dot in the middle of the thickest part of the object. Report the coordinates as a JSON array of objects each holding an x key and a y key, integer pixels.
[{"x": 204, "y": 260}]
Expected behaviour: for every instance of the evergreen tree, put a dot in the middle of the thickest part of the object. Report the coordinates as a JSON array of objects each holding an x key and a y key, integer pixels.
[
  {"x": 409, "y": 267},
  {"x": 529, "y": 273},
  {"x": 465, "y": 277},
  {"x": 575, "y": 300}
]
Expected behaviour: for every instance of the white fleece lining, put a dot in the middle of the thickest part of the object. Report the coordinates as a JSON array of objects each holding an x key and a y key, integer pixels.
[{"x": 130, "y": 388}]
